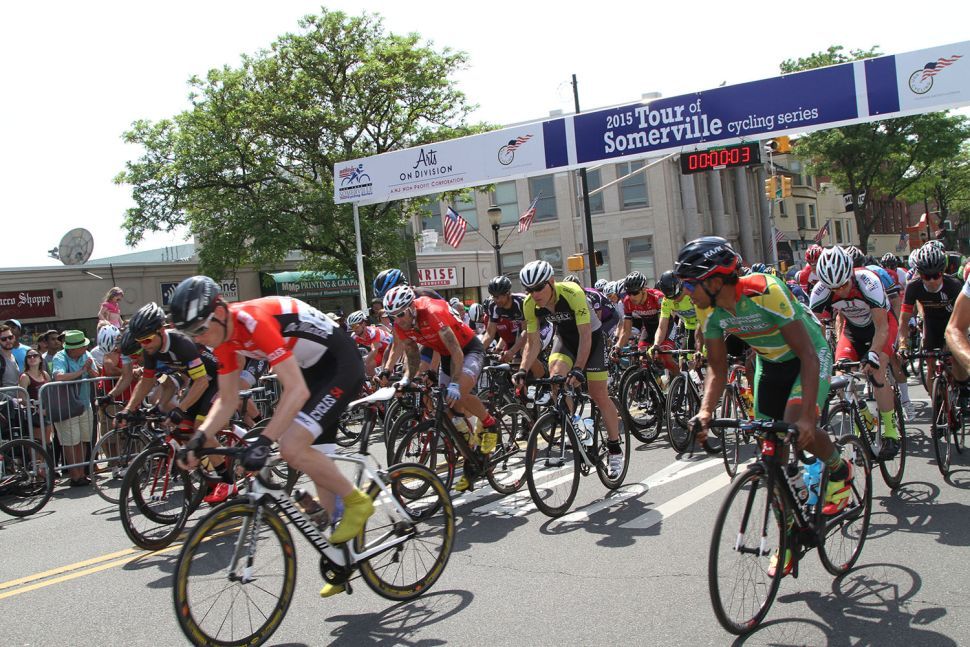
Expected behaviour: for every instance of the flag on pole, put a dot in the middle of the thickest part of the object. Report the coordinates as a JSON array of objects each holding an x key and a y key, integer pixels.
[
  {"x": 455, "y": 227},
  {"x": 525, "y": 220},
  {"x": 779, "y": 236},
  {"x": 823, "y": 232}
]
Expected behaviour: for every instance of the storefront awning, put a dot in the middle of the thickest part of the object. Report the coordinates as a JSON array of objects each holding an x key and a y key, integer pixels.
[{"x": 312, "y": 284}]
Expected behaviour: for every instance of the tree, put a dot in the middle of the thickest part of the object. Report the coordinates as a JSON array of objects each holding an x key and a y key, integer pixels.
[
  {"x": 882, "y": 159},
  {"x": 946, "y": 186},
  {"x": 248, "y": 169}
]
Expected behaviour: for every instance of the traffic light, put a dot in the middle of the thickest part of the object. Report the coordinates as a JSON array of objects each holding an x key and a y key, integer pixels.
[
  {"x": 575, "y": 263},
  {"x": 779, "y": 145},
  {"x": 785, "y": 186},
  {"x": 771, "y": 186}
]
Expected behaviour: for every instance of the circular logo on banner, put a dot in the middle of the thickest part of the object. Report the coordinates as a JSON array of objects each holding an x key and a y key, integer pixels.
[{"x": 920, "y": 83}]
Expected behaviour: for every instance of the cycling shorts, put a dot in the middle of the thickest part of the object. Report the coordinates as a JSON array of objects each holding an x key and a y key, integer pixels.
[
  {"x": 933, "y": 336},
  {"x": 648, "y": 331},
  {"x": 334, "y": 382},
  {"x": 200, "y": 409},
  {"x": 598, "y": 357},
  {"x": 735, "y": 346},
  {"x": 779, "y": 384},
  {"x": 474, "y": 354},
  {"x": 427, "y": 353},
  {"x": 855, "y": 343}
]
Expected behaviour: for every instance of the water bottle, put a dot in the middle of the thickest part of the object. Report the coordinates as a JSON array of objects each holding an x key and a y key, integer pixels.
[
  {"x": 796, "y": 482},
  {"x": 867, "y": 418},
  {"x": 584, "y": 429},
  {"x": 812, "y": 475}
]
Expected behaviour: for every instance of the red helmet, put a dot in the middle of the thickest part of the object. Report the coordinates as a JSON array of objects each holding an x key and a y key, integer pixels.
[{"x": 812, "y": 254}]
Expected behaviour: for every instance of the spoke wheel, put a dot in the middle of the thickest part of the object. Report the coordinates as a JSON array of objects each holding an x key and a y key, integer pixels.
[
  {"x": 110, "y": 460},
  {"x": 940, "y": 426},
  {"x": 216, "y": 604},
  {"x": 507, "y": 473},
  {"x": 552, "y": 465},
  {"x": 156, "y": 498},
  {"x": 425, "y": 445},
  {"x": 679, "y": 413},
  {"x": 412, "y": 567},
  {"x": 730, "y": 436},
  {"x": 748, "y": 531},
  {"x": 892, "y": 469},
  {"x": 603, "y": 454},
  {"x": 26, "y": 477},
  {"x": 844, "y": 534},
  {"x": 642, "y": 410}
]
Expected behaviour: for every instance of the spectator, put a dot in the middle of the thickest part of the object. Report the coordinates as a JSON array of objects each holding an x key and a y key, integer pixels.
[
  {"x": 41, "y": 347},
  {"x": 34, "y": 377},
  {"x": 7, "y": 359},
  {"x": 376, "y": 311},
  {"x": 12, "y": 413},
  {"x": 74, "y": 362},
  {"x": 19, "y": 350},
  {"x": 110, "y": 311},
  {"x": 54, "y": 344}
]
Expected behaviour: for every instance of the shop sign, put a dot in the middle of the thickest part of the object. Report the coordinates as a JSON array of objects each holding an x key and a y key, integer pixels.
[
  {"x": 438, "y": 277},
  {"x": 230, "y": 291},
  {"x": 27, "y": 304}
]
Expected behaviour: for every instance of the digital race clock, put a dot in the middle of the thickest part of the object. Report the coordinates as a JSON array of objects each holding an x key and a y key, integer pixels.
[{"x": 718, "y": 158}]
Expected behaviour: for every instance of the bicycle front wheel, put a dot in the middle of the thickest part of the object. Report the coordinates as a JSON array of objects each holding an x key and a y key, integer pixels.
[
  {"x": 409, "y": 568},
  {"x": 235, "y": 576},
  {"x": 552, "y": 465},
  {"x": 842, "y": 535},
  {"x": 730, "y": 436},
  {"x": 892, "y": 469},
  {"x": 615, "y": 480},
  {"x": 679, "y": 413},
  {"x": 940, "y": 427},
  {"x": 110, "y": 460},
  {"x": 748, "y": 532},
  {"x": 26, "y": 477},
  {"x": 155, "y": 499}
]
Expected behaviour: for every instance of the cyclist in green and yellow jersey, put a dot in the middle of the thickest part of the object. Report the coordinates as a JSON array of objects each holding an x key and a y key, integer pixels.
[
  {"x": 676, "y": 302},
  {"x": 791, "y": 351}
]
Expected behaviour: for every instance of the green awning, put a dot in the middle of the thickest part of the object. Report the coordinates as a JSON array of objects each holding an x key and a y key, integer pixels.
[{"x": 313, "y": 284}]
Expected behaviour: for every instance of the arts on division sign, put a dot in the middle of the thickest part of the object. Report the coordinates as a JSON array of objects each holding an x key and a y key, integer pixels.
[
  {"x": 27, "y": 304},
  {"x": 441, "y": 277}
]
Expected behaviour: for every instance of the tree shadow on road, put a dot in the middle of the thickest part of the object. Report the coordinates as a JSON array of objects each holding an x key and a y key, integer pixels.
[{"x": 397, "y": 625}]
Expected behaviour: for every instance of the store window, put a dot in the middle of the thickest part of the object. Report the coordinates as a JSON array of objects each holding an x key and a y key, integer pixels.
[
  {"x": 800, "y": 215},
  {"x": 544, "y": 188},
  {"x": 553, "y": 256},
  {"x": 639, "y": 256},
  {"x": 838, "y": 231}
]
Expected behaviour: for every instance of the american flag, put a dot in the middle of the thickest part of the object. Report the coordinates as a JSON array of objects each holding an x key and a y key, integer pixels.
[
  {"x": 823, "y": 232},
  {"x": 934, "y": 67},
  {"x": 525, "y": 220},
  {"x": 779, "y": 236},
  {"x": 518, "y": 141},
  {"x": 455, "y": 227}
]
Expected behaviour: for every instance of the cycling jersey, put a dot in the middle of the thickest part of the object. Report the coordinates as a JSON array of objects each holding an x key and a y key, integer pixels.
[
  {"x": 866, "y": 293},
  {"x": 602, "y": 306},
  {"x": 508, "y": 321},
  {"x": 253, "y": 370},
  {"x": 807, "y": 278},
  {"x": 888, "y": 282},
  {"x": 797, "y": 292},
  {"x": 372, "y": 335},
  {"x": 683, "y": 307},
  {"x": 902, "y": 277},
  {"x": 179, "y": 353},
  {"x": 937, "y": 306},
  {"x": 433, "y": 316},
  {"x": 570, "y": 309},
  {"x": 764, "y": 306},
  {"x": 649, "y": 309}
]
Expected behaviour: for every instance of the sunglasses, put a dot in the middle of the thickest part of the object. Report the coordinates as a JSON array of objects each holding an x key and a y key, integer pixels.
[
  {"x": 147, "y": 339},
  {"x": 536, "y": 288},
  {"x": 633, "y": 293},
  {"x": 33, "y": 356},
  {"x": 7, "y": 338},
  {"x": 931, "y": 277},
  {"x": 690, "y": 286},
  {"x": 201, "y": 328}
]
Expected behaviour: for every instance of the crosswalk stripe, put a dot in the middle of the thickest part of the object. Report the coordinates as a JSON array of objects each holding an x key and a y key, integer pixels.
[{"x": 670, "y": 508}]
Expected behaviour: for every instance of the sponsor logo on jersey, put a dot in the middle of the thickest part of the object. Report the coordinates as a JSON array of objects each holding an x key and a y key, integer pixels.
[
  {"x": 276, "y": 354},
  {"x": 246, "y": 320}
]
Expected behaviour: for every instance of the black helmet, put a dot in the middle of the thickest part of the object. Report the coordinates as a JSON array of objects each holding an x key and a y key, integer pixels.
[
  {"x": 707, "y": 256},
  {"x": 889, "y": 261},
  {"x": 127, "y": 344},
  {"x": 193, "y": 302},
  {"x": 149, "y": 318},
  {"x": 634, "y": 282},
  {"x": 500, "y": 284},
  {"x": 572, "y": 278},
  {"x": 669, "y": 284}
]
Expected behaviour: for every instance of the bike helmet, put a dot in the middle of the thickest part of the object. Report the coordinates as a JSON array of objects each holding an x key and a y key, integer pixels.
[
  {"x": 744, "y": 270},
  {"x": 128, "y": 345},
  {"x": 929, "y": 259},
  {"x": 834, "y": 267},
  {"x": 456, "y": 304},
  {"x": 357, "y": 317},
  {"x": 936, "y": 243},
  {"x": 476, "y": 313},
  {"x": 149, "y": 319},
  {"x": 193, "y": 303},
  {"x": 634, "y": 282},
  {"x": 705, "y": 257},
  {"x": 500, "y": 284},
  {"x": 108, "y": 338},
  {"x": 669, "y": 284},
  {"x": 535, "y": 273},
  {"x": 387, "y": 280},
  {"x": 858, "y": 258},
  {"x": 812, "y": 254},
  {"x": 889, "y": 261},
  {"x": 611, "y": 288},
  {"x": 398, "y": 299},
  {"x": 759, "y": 268},
  {"x": 600, "y": 284},
  {"x": 771, "y": 270},
  {"x": 572, "y": 278}
]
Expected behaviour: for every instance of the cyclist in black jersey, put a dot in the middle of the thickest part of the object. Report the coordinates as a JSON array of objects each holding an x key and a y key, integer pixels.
[{"x": 506, "y": 321}]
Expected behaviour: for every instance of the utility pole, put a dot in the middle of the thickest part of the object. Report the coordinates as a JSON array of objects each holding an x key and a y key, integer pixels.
[{"x": 590, "y": 255}]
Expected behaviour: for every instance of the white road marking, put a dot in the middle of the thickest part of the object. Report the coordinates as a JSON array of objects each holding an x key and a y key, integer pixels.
[{"x": 675, "y": 505}]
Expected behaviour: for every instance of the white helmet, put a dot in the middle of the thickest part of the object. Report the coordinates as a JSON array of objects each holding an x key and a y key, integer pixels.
[
  {"x": 834, "y": 267},
  {"x": 929, "y": 259},
  {"x": 611, "y": 288},
  {"x": 357, "y": 317},
  {"x": 108, "y": 338},
  {"x": 935, "y": 243},
  {"x": 601, "y": 284},
  {"x": 535, "y": 273},
  {"x": 476, "y": 313},
  {"x": 398, "y": 299}
]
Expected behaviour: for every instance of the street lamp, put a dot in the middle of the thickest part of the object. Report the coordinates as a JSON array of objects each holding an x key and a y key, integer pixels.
[{"x": 495, "y": 219}]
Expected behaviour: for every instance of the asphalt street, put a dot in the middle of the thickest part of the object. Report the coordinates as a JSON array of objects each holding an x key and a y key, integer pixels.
[{"x": 625, "y": 569}]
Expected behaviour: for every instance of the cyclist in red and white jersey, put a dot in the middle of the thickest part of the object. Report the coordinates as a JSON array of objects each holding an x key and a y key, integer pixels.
[
  {"x": 642, "y": 304},
  {"x": 374, "y": 338},
  {"x": 318, "y": 368},
  {"x": 807, "y": 278}
]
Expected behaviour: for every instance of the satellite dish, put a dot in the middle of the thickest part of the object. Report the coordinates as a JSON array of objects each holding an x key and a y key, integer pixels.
[{"x": 76, "y": 247}]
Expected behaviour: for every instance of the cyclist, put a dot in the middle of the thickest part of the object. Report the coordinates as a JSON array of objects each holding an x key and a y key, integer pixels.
[
  {"x": 676, "y": 301},
  {"x": 476, "y": 318},
  {"x": 318, "y": 368},
  {"x": 600, "y": 284},
  {"x": 957, "y": 329},
  {"x": 807, "y": 278},
  {"x": 383, "y": 282},
  {"x": 936, "y": 292},
  {"x": 858, "y": 296},
  {"x": 506, "y": 321},
  {"x": 642, "y": 304},
  {"x": 578, "y": 347},
  {"x": 430, "y": 322},
  {"x": 602, "y": 306},
  {"x": 374, "y": 338},
  {"x": 791, "y": 353}
]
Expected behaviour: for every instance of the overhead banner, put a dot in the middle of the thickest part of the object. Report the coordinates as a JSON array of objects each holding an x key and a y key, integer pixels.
[{"x": 927, "y": 80}]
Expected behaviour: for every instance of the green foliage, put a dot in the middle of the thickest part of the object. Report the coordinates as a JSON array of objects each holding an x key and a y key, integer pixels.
[
  {"x": 883, "y": 159},
  {"x": 249, "y": 167}
]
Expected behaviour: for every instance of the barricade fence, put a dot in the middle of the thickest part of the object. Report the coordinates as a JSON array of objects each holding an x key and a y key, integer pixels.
[
  {"x": 69, "y": 419},
  {"x": 16, "y": 414}
]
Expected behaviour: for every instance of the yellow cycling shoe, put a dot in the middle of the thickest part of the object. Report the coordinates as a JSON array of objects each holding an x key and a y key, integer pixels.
[
  {"x": 332, "y": 589},
  {"x": 489, "y": 440},
  {"x": 463, "y": 484},
  {"x": 838, "y": 494},
  {"x": 357, "y": 510}
]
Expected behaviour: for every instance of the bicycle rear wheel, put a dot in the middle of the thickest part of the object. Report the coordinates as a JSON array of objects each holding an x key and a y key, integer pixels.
[
  {"x": 842, "y": 536},
  {"x": 603, "y": 454},
  {"x": 748, "y": 530},
  {"x": 411, "y": 567},
  {"x": 678, "y": 413},
  {"x": 111, "y": 458},
  {"x": 222, "y": 598},
  {"x": 940, "y": 426},
  {"x": 155, "y": 499},
  {"x": 552, "y": 465},
  {"x": 425, "y": 445},
  {"x": 893, "y": 468},
  {"x": 506, "y": 475},
  {"x": 642, "y": 410},
  {"x": 26, "y": 477}
]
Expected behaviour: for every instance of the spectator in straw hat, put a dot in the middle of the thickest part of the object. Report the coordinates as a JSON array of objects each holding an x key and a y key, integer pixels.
[{"x": 74, "y": 362}]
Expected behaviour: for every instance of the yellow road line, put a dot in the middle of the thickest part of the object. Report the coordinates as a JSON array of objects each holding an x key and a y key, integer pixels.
[{"x": 69, "y": 567}]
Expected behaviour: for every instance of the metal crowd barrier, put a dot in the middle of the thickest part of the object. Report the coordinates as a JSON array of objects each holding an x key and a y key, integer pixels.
[
  {"x": 57, "y": 401},
  {"x": 16, "y": 419}
]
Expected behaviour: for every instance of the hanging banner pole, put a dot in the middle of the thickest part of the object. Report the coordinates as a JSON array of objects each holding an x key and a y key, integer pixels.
[{"x": 360, "y": 260}]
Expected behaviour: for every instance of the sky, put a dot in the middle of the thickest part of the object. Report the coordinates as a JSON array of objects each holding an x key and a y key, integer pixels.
[{"x": 76, "y": 75}]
